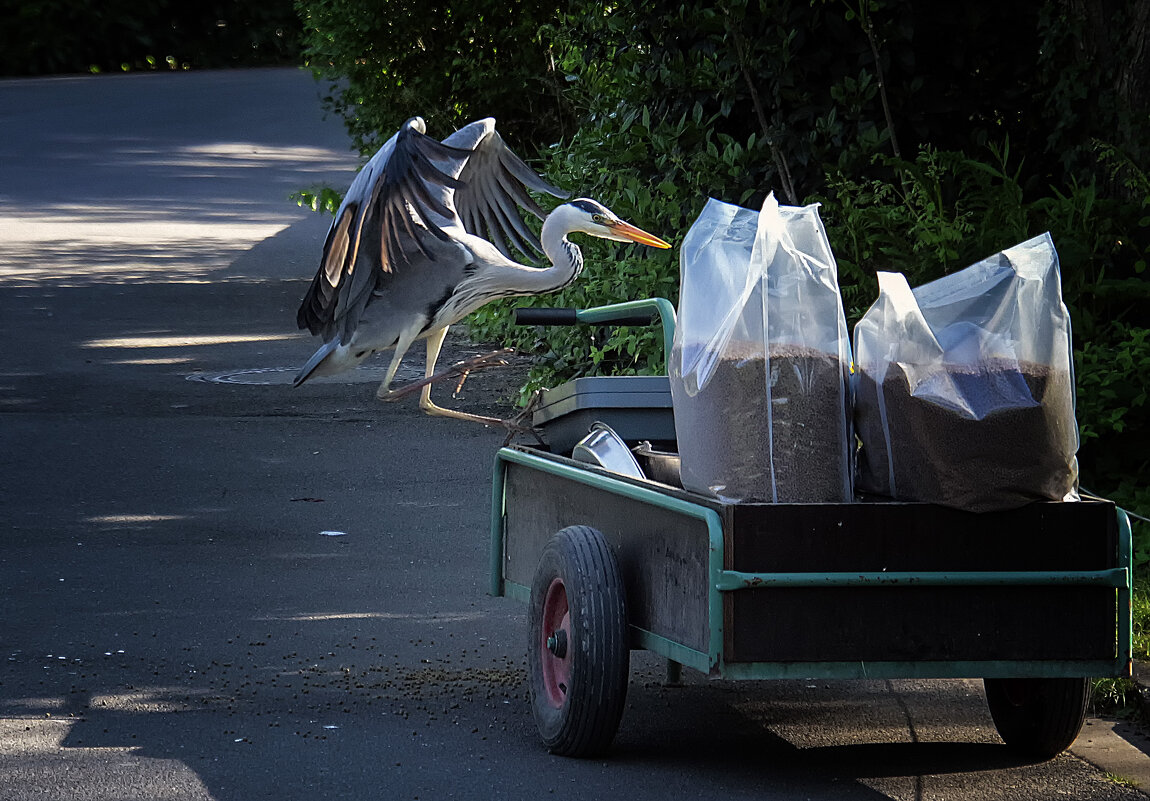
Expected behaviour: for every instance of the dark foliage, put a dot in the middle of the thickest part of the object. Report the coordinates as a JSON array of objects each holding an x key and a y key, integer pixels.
[
  {"x": 42, "y": 37},
  {"x": 449, "y": 62}
]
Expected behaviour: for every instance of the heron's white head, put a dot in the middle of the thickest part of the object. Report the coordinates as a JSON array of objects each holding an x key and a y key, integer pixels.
[{"x": 593, "y": 218}]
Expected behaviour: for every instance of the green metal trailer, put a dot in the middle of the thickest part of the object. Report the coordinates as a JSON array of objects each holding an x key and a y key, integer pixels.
[{"x": 1035, "y": 601}]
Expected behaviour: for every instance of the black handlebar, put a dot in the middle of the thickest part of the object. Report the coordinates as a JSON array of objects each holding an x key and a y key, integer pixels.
[
  {"x": 540, "y": 316},
  {"x": 548, "y": 316}
]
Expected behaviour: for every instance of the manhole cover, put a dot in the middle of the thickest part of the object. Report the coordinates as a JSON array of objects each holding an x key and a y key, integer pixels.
[{"x": 276, "y": 376}]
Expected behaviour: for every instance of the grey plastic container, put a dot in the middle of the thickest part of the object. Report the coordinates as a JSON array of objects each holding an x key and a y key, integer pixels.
[{"x": 636, "y": 407}]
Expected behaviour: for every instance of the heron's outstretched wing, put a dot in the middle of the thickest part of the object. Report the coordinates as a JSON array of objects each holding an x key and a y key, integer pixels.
[
  {"x": 411, "y": 196},
  {"x": 494, "y": 182},
  {"x": 396, "y": 202}
]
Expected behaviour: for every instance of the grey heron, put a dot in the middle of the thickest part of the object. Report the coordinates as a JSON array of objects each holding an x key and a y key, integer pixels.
[{"x": 421, "y": 241}]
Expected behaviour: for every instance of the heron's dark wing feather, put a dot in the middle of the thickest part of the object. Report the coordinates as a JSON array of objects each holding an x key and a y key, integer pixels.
[
  {"x": 393, "y": 206},
  {"x": 494, "y": 189},
  {"x": 411, "y": 193},
  {"x": 317, "y": 311},
  {"x": 509, "y": 225}
]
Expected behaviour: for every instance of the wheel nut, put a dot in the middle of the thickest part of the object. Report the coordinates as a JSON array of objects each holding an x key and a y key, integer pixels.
[{"x": 557, "y": 643}]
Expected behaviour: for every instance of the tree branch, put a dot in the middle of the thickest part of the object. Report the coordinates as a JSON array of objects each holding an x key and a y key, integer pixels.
[
  {"x": 868, "y": 28},
  {"x": 784, "y": 173}
]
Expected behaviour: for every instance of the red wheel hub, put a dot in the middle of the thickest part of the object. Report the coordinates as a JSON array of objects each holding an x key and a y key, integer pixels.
[{"x": 555, "y": 635}]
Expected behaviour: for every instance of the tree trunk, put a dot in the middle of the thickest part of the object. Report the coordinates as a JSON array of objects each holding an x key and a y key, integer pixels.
[{"x": 1116, "y": 39}]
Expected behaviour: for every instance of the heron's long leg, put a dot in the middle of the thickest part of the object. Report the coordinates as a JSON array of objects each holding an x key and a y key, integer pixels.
[
  {"x": 434, "y": 343},
  {"x": 401, "y": 347}
]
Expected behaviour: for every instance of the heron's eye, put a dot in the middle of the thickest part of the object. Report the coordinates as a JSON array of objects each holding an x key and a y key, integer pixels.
[{"x": 597, "y": 218}]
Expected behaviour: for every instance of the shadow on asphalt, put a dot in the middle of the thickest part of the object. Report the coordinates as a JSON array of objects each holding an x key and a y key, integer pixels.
[
  {"x": 693, "y": 730},
  {"x": 909, "y": 759}
]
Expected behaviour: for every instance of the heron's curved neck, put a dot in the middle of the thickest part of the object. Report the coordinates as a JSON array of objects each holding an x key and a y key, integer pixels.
[
  {"x": 502, "y": 277},
  {"x": 565, "y": 257}
]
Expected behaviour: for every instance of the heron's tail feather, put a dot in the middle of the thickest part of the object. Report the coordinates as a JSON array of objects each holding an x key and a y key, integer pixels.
[{"x": 315, "y": 361}]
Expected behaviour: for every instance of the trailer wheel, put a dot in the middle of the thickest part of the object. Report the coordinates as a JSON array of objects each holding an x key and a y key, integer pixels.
[
  {"x": 578, "y": 653},
  {"x": 1039, "y": 718}
]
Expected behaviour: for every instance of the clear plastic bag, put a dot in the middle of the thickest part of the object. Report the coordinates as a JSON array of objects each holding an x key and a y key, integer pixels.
[
  {"x": 965, "y": 393},
  {"x": 761, "y": 360}
]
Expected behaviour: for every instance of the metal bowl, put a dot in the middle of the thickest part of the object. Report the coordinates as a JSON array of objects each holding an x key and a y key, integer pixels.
[{"x": 605, "y": 448}]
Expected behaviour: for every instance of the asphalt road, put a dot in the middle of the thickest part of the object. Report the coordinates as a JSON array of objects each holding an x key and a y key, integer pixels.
[{"x": 213, "y": 586}]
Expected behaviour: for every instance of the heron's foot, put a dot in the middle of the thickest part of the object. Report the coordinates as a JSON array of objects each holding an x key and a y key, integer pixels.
[
  {"x": 516, "y": 426},
  {"x": 519, "y": 425},
  {"x": 513, "y": 426}
]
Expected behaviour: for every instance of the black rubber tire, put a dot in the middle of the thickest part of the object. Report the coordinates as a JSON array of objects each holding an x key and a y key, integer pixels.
[
  {"x": 582, "y": 720},
  {"x": 1038, "y": 718}
]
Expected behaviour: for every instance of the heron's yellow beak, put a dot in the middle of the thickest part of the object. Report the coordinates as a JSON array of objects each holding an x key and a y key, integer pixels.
[{"x": 626, "y": 231}]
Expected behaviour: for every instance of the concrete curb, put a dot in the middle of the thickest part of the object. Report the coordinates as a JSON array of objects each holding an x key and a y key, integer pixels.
[
  {"x": 1116, "y": 748},
  {"x": 1119, "y": 748}
]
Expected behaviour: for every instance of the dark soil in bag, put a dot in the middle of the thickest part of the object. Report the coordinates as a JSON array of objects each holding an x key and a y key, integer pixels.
[
  {"x": 744, "y": 439},
  {"x": 1012, "y": 444}
]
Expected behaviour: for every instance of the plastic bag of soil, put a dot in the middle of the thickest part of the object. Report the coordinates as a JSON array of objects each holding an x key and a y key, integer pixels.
[
  {"x": 761, "y": 360},
  {"x": 965, "y": 393}
]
